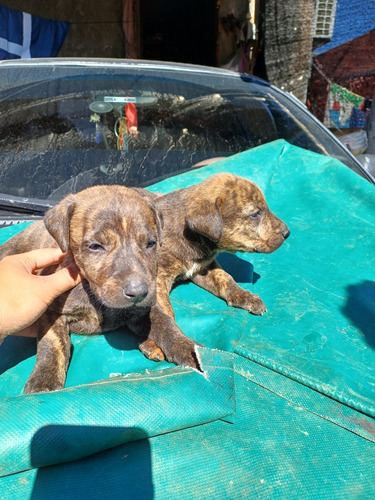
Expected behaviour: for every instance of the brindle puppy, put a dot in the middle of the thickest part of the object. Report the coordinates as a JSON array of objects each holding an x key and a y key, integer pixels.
[
  {"x": 113, "y": 234},
  {"x": 225, "y": 213}
]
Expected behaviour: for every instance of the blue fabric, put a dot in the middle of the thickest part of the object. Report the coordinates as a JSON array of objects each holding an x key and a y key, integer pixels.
[{"x": 24, "y": 36}]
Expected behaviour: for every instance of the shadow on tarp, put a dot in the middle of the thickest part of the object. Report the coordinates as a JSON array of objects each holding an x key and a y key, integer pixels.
[
  {"x": 241, "y": 270},
  {"x": 122, "y": 339},
  {"x": 100, "y": 476},
  {"x": 14, "y": 350},
  {"x": 360, "y": 309}
]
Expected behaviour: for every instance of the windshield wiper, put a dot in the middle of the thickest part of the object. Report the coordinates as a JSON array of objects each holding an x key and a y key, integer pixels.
[{"x": 24, "y": 205}]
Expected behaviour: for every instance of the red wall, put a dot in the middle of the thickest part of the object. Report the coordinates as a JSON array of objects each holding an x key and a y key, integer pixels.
[{"x": 351, "y": 65}]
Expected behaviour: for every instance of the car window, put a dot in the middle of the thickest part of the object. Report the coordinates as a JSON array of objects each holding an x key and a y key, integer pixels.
[{"x": 63, "y": 128}]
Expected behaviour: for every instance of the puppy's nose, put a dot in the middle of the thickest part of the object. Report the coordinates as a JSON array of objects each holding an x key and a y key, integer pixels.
[
  {"x": 135, "y": 290},
  {"x": 286, "y": 233}
]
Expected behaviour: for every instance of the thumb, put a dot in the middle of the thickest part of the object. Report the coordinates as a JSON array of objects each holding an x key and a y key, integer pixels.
[{"x": 63, "y": 280}]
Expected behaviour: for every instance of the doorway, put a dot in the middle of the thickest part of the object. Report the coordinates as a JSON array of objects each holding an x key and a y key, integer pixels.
[{"x": 179, "y": 30}]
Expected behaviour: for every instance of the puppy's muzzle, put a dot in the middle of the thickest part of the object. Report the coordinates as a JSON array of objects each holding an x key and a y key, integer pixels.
[
  {"x": 278, "y": 236},
  {"x": 135, "y": 290}
]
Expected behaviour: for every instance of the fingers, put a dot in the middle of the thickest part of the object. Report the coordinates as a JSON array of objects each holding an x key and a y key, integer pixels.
[
  {"x": 38, "y": 259},
  {"x": 25, "y": 295},
  {"x": 57, "y": 283},
  {"x": 63, "y": 280}
]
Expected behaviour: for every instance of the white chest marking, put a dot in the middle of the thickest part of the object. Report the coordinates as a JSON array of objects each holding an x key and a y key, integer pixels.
[{"x": 193, "y": 270}]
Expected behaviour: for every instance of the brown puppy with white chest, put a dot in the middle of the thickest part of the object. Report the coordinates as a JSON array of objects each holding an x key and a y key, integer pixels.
[
  {"x": 225, "y": 213},
  {"x": 113, "y": 234}
]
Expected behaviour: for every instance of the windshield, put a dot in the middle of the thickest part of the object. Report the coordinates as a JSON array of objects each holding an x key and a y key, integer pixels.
[{"x": 64, "y": 127}]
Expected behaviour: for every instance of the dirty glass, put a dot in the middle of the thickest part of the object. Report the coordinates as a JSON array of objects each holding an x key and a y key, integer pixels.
[{"x": 64, "y": 127}]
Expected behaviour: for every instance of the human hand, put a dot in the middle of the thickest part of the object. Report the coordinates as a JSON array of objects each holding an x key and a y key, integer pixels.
[{"x": 24, "y": 295}]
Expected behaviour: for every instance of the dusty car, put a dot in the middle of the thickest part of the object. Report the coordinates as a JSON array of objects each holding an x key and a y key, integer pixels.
[
  {"x": 69, "y": 124},
  {"x": 284, "y": 406}
]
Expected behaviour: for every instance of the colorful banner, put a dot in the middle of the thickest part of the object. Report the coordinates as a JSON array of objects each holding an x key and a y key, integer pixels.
[{"x": 343, "y": 109}]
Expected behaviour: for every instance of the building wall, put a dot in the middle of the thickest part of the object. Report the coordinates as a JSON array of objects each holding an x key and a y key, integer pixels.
[
  {"x": 350, "y": 65},
  {"x": 96, "y": 25},
  {"x": 288, "y": 44}
]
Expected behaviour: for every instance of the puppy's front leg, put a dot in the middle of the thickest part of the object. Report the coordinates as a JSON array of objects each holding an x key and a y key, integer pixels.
[
  {"x": 215, "y": 280},
  {"x": 162, "y": 313},
  {"x": 148, "y": 346},
  {"x": 163, "y": 289},
  {"x": 176, "y": 346},
  {"x": 53, "y": 356},
  {"x": 165, "y": 340}
]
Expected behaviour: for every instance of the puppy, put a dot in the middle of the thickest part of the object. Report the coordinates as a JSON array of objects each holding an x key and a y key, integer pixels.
[
  {"x": 112, "y": 233},
  {"x": 225, "y": 213}
]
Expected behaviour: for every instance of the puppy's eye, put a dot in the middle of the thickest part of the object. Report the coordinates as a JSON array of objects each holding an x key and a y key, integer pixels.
[
  {"x": 151, "y": 244},
  {"x": 255, "y": 214},
  {"x": 95, "y": 247}
]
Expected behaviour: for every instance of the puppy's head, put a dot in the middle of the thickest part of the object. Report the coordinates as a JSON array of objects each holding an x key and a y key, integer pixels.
[
  {"x": 113, "y": 234},
  {"x": 233, "y": 213}
]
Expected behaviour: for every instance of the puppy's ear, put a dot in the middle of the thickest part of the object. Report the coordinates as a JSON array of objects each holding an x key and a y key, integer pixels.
[
  {"x": 151, "y": 197},
  {"x": 159, "y": 223},
  {"x": 204, "y": 217},
  {"x": 57, "y": 221}
]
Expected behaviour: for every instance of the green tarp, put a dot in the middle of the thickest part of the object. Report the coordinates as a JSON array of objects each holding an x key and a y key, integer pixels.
[{"x": 287, "y": 406}]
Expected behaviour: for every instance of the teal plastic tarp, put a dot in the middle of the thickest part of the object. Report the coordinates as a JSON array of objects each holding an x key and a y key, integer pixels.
[{"x": 302, "y": 375}]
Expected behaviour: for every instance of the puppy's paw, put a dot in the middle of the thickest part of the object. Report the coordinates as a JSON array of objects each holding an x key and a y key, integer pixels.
[
  {"x": 251, "y": 302},
  {"x": 257, "y": 306},
  {"x": 183, "y": 353},
  {"x": 151, "y": 350}
]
